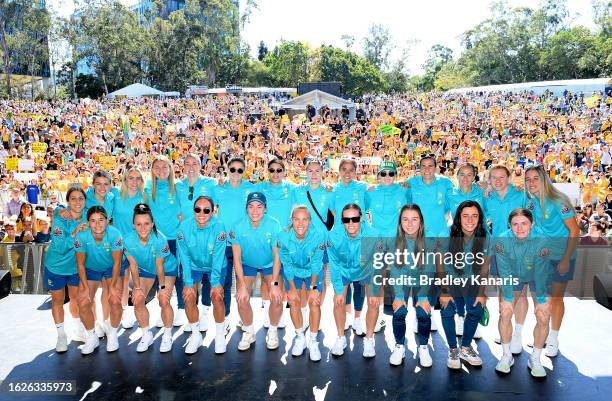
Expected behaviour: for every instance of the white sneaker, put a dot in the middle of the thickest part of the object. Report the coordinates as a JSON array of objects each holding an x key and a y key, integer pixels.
[
  {"x": 339, "y": 346},
  {"x": 497, "y": 340},
  {"x": 398, "y": 354},
  {"x": 424, "y": 357},
  {"x": 369, "y": 350},
  {"x": 272, "y": 339},
  {"x": 380, "y": 324},
  {"x": 127, "y": 319},
  {"x": 246, "y": 341},
  {"x": 194, "y": 342},
  {"x": 226, "y": 326},
  {"x": 112, "y": 342},
  {"x": 470, "y": 356},
  {"x": 552, "y": 349},
  {"x": 314, "y": 352},
  {"x": 505, "y": 364},
  {"x": 477, "y": 333},
  {"x": 453, "y": 361},
  {"x": 62, "y": 343},
  {"x": 220, "y": 344},
  {"x": 145, "y": 341},
  {"x": 100, "y": 329},
  {"x": 459, "y": 322},
  {"x": 91, "y": 344},
  {"x": 299, "y": 345},
  {"x": 203, "y": 322},
  {"x": 78, "y": 332},
  {"x": 358, "y": 327},
  {"x": 516, "y": 344},
  {"x": 537, "y": 370},
  {"x": 166, "y": 343},
  {"x": 240, "y": 325},
  {"x": 179, "y": 318},
  {"x": 159, "y": 323},
  {"x": 281, "y": 322}
]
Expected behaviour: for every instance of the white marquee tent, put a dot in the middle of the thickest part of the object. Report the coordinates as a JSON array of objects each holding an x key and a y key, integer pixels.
[
  {"x": 136, "y": 90},
  {"x": 318, "y": 99}
]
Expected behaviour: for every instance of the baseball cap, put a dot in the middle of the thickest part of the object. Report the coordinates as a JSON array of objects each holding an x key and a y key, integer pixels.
[
  {"x": 387, "y": 165},
  {"x": 256, "y": 197}
]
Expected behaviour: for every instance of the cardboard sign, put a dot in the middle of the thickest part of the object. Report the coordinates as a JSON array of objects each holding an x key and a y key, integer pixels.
[{"x": 39, "y": 147}]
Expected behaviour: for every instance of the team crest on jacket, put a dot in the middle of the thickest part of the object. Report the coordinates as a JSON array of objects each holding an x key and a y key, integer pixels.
[
  {"x": 57, "y": 232},
  {"x": 77, "y": 244},
  {"x": 180, "y": 236},
  {"x": 322, "y": 246},
  {"x": 530, "y": 205},
  {"x": 221, "y": 236},
  {"x": 232, "y": 235},
  {"x": 165, "y": 249},
  {"x": 499, "y": 249},
  {"x": 118, "y": 243},
  {"x": 379, "y": 246},
  {"x": 565, "y": 209}
]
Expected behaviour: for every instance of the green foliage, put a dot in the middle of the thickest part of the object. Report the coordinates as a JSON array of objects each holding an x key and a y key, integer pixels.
[{"x": 288, "y": 63}]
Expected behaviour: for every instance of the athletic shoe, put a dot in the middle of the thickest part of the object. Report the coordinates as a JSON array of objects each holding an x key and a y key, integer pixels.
[
  {"x": 127, "y": 319},
  {"x": 505, "y": 363},
  {"x": 145, "y": 341},
  {"x": 453, "y": 361},
  {"x": 537, "y": 370},
  {"x": 314, "y": 352},
  {"x": 497, "y": 340},
  {"x": 459, "y": 322},
  {"x": 112, "y": 342},
  {"x": 358, "y": 327},
  {"x": 240, "y": 325},
  {"x": 166, "y": 343},
  {"x": 398, "y": 354},
  {"x": 299, "y": 345},
  {"x": 246, "y": 341},
  {"x": 272, "y": 340},
  {"x": 194, "y": 342},
  {"x": 62, "y": 343},
  {"x": 78, "y": 332},
  {"x": 516, "y": 344},
  {"x": 179, "y": 318},
  {"x": 477, "y": 333},
  {"x": 369, "y": 350},
  {"x": 91, "y": 344},
  {"x": 220, "y": 344},
  {"x": 203, "y": 323},
  {"x": 424, "y": 357},
  {"x": 339, "y": 346},
  {"x": 380, "y": 324},
  {"x": 470, "y": 356},
  {"x": 552, "y": 348},
  {"x": 159, "y": 323},
  {"x": 226, "y": 326},
  {"x": 100, "y": 329},
  {"x": 281, "y": 322}
]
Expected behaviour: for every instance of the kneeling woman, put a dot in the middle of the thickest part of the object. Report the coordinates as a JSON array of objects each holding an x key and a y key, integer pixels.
[
  {"x": 521, "y": 253},
  {"x": 149, "y": 257},
  {"x": 98, "y": 257},
  {"x": 201, "y": 248},
  {"x": 301, "y": 251},
  {"x": 469, "y": 249},
  {"x": 410, "y": 238}
]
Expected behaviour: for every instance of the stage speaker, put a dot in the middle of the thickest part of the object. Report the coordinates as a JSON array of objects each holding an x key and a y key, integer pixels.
[
  {"x": 602, "y": 289},
  {"x": 5, "y": 283}
]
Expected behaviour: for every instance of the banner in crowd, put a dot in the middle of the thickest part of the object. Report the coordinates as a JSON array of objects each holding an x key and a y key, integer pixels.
[{"x": 39, "y": 147}]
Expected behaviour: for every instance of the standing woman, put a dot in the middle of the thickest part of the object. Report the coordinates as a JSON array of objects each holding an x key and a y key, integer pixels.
[
  {"x": 60, "y": 265},
  {"x": 254, "y": 241},
  {"x": 130, "y": 193},
  {"x": 98, "y": 256},
  {"x": 554, "y": 214},
  {"x": 201, "y": 248},
  {"x": 301, "y": 249},
  {"x": 468, "y": 236},
  {"x": 149, "y": 257},
  {"x": 410, "y": 237},
  {"x": 385, "y": 201},
  {"x": 166, "y": 209}
]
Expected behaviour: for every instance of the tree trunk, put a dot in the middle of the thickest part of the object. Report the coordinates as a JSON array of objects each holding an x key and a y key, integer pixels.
[{"x": 7, "y": 70}]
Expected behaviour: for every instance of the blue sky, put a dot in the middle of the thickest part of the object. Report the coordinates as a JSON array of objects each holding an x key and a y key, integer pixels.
[{"x": 423, "y": 23}]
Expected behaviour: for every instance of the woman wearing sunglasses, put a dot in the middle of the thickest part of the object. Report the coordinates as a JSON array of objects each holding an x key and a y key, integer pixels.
[
  {"x": 254, "y": 242},
  {"x": 350, "y": 255},
  {"x": 192, "y": 186},
  {"x": 99, "y": 251},
  {"x": 201, "y": 246},
  {"x": 410, "y": 237},
  {"x": 166, "y": 209},
  {"x": 385, "y": 201},
  {"x": 149, "y": 257},
  {"x": 521, "y": 254},
  {"x": 301, "y": 249},
  {"x": 554, "y": 214}
]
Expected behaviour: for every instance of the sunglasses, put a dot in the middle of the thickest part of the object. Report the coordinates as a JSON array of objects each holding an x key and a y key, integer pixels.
[
  {"x": 236, "y": 170},
  {"x": 385, "y": 173},
  {"x": 346, "y": 220},
  {"x": 278, "y": 170},
  {"x": 201, "y": 210},
  {"x": 191, "y": 189},
  {"x": 143, "y": 208}
]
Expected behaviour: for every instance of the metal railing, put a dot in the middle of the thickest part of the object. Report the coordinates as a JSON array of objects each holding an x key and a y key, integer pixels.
[{"x": 25, "y": 262}]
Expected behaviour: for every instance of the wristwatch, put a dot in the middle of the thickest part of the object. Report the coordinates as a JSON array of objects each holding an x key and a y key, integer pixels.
[
  {"x": 313, "y": 287},
  {"x": 275, "y": 283}
]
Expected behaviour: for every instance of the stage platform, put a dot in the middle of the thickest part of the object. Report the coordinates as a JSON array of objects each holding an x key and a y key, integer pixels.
[{"x": 582, "y": 370}]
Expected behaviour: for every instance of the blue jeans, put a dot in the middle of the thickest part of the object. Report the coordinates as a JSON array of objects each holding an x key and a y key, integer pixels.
[
  {"x": 357, "y": 294},
  {"x": 423, "y": 326},
  {"x": 474, "y": 313},
  {"x": 227, "y": 283}
]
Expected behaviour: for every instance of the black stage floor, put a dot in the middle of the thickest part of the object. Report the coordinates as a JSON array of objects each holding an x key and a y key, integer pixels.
[{"x": 582, "y": 371}]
